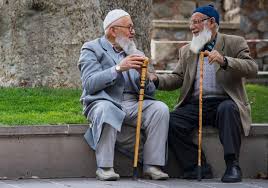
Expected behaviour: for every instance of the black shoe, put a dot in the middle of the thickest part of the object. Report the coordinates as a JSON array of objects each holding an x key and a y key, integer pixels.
[
  {"x": 192, "y": 174},
  {"x": 232, "y": 174}
]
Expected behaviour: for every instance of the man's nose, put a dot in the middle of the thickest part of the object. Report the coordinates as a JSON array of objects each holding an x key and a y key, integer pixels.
[
  {"x": 192, "y": 27},
  {"x": 132, "y": 32}
]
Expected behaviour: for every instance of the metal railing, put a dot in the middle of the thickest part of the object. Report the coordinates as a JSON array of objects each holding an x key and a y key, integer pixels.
[{"x": 260, "y": 73}]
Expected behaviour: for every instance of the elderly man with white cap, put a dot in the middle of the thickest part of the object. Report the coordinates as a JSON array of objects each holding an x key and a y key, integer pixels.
[
  {"x": 225, "y": 103},
  {"x": 110, "y": 68}
]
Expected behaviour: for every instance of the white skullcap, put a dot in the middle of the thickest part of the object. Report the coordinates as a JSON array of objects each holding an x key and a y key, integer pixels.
[{"x": 112, "y": 16}]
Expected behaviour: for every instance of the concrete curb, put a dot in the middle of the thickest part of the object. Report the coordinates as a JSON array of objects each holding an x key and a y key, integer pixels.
[
  {"x": 43, "y": 130},
  {"x": 256, "y": 129}
]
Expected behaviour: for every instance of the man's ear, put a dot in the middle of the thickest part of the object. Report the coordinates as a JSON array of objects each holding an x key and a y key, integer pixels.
[
  {"x": 212, "y": 22},
  {"x": 112, "y": 31}
]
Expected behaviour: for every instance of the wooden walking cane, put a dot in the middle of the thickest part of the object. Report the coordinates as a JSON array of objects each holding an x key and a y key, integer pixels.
[
  {"x": 199, "y": 168},
  {"x": 141, "y": 96}
]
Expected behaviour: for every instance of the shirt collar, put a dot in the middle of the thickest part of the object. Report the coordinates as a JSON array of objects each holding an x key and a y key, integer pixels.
[{"x": 209, "y": 46}]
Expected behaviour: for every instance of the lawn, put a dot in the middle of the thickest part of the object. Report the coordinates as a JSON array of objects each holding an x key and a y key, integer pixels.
[
  {"x": 37, "y": 106},
  {"x": 43, "y": 106}
]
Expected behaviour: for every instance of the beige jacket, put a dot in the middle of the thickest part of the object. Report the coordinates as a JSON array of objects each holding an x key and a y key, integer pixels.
[{"x": 240, "y": 66}]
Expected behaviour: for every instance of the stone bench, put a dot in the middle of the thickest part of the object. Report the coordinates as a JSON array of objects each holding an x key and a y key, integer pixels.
[{"x": 61, "y": 151}]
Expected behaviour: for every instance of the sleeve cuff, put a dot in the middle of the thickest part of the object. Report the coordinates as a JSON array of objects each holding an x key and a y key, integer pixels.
[
  {"x": 156, "y": 82},
  {"x": 224, "y": 67}
]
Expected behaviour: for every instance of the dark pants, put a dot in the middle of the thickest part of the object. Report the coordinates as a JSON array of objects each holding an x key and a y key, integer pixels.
[{"x": 220, "y": 113}]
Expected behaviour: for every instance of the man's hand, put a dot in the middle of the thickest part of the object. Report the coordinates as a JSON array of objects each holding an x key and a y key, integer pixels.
[
  {"x": 152, "y": 76},
  {"x": 214, "y": 56},
  {"x": 131, "y": 62}
]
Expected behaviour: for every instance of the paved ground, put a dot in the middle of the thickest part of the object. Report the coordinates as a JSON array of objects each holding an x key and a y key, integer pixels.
[{"x": 127, "y": 183}]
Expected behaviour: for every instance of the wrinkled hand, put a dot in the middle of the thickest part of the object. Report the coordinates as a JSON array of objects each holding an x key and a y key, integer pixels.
[
  {"x": 132, "y": 62},
  {"x": 214, "y": 56},
  {"x": 139, "y": 70},
  {"x": 152, "y": 76}
]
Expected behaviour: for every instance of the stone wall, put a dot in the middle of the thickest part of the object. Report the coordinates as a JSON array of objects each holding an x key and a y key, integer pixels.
[
  {"x": 182, "y": 10},
  {"x": 254, "y": 25},
  {"x": 40, "y": 40}
]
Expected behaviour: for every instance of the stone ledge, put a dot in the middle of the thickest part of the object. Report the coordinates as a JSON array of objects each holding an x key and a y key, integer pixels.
[
  {"x": 179, "y": 30},
  {"x": 43, "y": 130},
  {"x": 259, "y": 129},
  {"x": 262, "y": 77},
  {"x": 260, "y": 73},
  {"x": 249, "y": 41},
  {"x": 185, "y": 24},
  {"x": 256, "y": 129}
]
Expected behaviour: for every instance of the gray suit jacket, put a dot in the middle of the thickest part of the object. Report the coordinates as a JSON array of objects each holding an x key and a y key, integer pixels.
[{"x": 96, "y": 60}]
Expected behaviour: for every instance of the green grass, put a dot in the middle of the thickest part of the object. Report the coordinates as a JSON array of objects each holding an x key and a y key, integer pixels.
[
  {"x": 39, "y": 106},
  {"x": 258, "y": 97}
]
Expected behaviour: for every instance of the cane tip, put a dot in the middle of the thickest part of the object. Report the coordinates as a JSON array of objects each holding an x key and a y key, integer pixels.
[
  {"x": 135, "y": 173},
  {"x": 199, "y": 173}
]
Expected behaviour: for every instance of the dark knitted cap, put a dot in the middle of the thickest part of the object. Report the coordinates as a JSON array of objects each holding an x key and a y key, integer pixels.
[{"x": 210, "y": 11}]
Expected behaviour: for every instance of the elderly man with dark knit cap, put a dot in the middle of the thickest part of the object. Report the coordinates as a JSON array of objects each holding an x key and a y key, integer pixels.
[
  {"x": 110, "y": 68},
  {"x": 225, "y": 103}
]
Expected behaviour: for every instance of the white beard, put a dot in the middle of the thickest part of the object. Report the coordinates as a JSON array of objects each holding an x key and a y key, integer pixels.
[
  {"x": 198, "y": 42},
  {"x": 127, "y": 45}
]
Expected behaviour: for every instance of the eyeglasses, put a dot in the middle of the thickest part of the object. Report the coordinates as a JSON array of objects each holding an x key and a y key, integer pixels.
[
  {"x": 130, "y": 28},
  {"x": 195, "y": 22}
]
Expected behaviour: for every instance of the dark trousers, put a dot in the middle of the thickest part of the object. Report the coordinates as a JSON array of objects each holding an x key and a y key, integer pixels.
[{"x": 217, "y": 112}]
